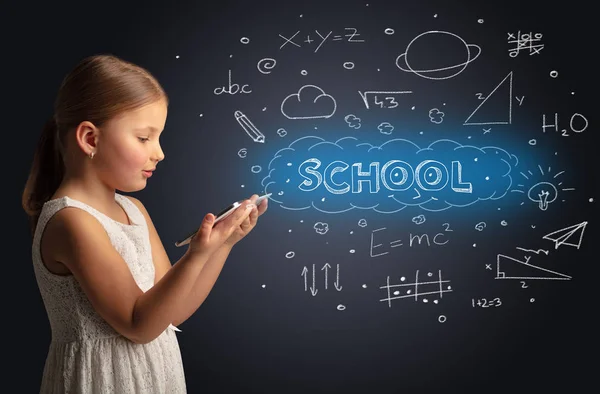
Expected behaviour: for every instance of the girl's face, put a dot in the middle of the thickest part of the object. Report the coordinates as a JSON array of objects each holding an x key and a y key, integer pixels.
[{"x": 128, "y": 147}]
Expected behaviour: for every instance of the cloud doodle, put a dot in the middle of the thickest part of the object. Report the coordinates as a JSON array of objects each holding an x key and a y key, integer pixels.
[{"x": 310, "y": 102}]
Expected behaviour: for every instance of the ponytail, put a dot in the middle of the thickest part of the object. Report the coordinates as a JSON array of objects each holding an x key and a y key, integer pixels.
[{"x": 46, "y": 173}]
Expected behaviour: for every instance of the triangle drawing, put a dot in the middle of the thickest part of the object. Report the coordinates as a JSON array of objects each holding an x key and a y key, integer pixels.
[
  {"x": 491, "y": 109},
  {"x": 561, "y": 236},
  {"x": 523, "y": 270}
]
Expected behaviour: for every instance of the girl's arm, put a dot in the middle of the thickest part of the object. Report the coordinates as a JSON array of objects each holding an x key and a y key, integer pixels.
[{"x": 83, "y": 246}]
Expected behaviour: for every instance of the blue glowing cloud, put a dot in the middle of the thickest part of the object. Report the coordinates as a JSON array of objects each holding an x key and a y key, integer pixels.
[{"x": 338, "y": 176}]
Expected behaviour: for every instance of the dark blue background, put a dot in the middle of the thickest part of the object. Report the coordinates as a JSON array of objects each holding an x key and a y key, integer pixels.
[{"x": 281, "y": 339}]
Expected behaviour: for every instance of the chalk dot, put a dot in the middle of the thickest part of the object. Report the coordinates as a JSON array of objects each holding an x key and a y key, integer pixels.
[
  {"x": 396, "y": 292},
  {"x": 504, "y": 223},
  {"x": 300, "y": 15},
  {"x": 554, "y": 73},
  {"x": 487, "y": 178},
  {"x": 449, "y": 287},
  {"x": 413, "y": 107},
  {"x": 591, "y": 199},
  {"x": 499, "y": 208},
  {"x": 341, "y": 307},
  {"x": 572, "y": 92},
  {"x": 389, "y": 31},
  {"x": 425, "y": 300},
  {"x": 421, "y": 133},
  {"x": 475, "y": 159},
  {"x": 469, "y": 137},
  {"x": 230, "y": 56},
  {"x": 323, "y": 199},
  {"x": 474, "y": 245},
  {"x": 289, "y": 164},
  {"x": 177, "y": 57},
  {"x": 303, "y": 72},
  {"x": 290, "y": 230},
  {"x": 352, "y": 250},
  {"x": 280, "y": 193},
  {"x": 243, "y": 186},
  {"x": 408, "y": 291},
  {"x": 287, "y": 180},
  {"x": 429, "y": 274},
  {"x": 442, "y": 318},
  {"x": 435, "y": 301},
  {"x": 435, "y": 16},
  {"x": 378, "y": 69},
  {"x": 290, "y": 254},
  {"x": 244, "y": 40},
  {"x": 364, "y": 286},
  {"x": 264, "y": 109},
  {"x": 532, "y": 142},
  {"x": 348, "y": 65},
  {"x": 263, "y": 286},
  {"x": 532, "y": 300},
  {"x": 201, "y": 115},
  {"x": 479, "y": 20},
  {"x": 351, "y": 232},
  {"x": 302, "y": 221},
  {"x": 402, "y": 279}
]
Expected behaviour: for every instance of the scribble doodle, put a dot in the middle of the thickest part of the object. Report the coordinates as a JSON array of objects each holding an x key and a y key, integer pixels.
[
  {"x": 423, "y": 43},
  {"x": 242, "y": 153},
  {"x": 416, "y": 289},
  {"x": 436, "y": 116},
  {"x": 480, "y": 226},
  {"x": 321, "y": 228},
  {"x": 525, "y": 42},
  {"x": 385, "y": 128},
  {"x": 420, "y": 219},
  {"x": 266, "y": 65},
  {"x": 305, "y": 104},
  {"x": 352, "y": 121}
]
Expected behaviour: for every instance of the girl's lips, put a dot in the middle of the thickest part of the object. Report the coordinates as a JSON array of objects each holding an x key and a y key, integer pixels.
[{"x": 147, "y": 173}]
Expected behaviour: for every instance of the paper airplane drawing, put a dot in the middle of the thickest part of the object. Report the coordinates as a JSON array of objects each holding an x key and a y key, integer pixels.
[
  {"x": 522, "y": 270},
  {"x": 560, "y": 237}
]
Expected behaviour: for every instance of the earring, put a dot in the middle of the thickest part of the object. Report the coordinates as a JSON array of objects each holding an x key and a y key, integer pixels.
[{"x": 92, "y": 155}]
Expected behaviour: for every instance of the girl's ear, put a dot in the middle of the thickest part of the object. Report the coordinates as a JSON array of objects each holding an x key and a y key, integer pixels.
[{"x": 86, "y": 135}]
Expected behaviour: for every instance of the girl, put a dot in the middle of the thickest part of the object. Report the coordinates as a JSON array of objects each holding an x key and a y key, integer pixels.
[{"x": 112, "y": 297}]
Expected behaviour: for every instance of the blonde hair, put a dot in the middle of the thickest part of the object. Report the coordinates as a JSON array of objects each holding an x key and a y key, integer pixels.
[{"x": 97, "y": 89}]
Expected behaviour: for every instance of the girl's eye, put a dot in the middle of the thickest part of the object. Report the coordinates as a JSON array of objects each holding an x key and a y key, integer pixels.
[{"x": 143, "y": 139}]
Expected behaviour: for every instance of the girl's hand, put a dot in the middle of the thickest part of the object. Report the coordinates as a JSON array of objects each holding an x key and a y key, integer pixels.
[
  {"x": 247, "y": 224},
  {"x": 208, "y": 238}
]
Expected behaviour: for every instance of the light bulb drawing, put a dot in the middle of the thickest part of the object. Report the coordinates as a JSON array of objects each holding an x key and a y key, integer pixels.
[{"x": 542, "y": 192}]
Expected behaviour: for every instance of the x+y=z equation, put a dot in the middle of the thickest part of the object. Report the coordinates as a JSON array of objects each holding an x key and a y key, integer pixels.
[{"x": 352, "y": 37}]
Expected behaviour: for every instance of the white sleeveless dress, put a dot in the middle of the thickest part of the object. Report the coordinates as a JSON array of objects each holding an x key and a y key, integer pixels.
[{"x": 86, "y": 355}]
